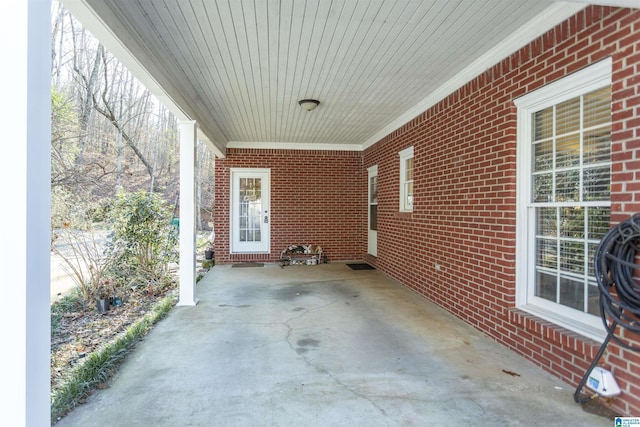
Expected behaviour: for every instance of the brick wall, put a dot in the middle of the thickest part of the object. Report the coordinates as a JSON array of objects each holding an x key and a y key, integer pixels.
[
  {"x": 457, "y": 247},
  {"x": 316, "y": 198}
]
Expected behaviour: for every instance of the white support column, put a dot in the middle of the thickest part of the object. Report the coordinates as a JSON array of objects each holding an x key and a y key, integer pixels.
[
  {"x": 188, "y": 143},
  {"x": 25, "y": 43}
]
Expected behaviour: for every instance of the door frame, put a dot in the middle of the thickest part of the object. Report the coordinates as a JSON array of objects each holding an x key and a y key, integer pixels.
[{"x": 265, "y": 174}]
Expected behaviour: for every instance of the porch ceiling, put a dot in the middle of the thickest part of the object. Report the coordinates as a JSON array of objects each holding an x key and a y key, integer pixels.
[{"x": 239, "y": 67}]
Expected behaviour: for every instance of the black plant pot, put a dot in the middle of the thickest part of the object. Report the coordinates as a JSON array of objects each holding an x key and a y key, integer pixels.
[
  {"x": 102, "y": 305},
  {"x": 208, "y": 253}
]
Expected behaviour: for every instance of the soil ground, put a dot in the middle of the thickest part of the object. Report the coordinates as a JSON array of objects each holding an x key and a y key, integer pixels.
[{"x": 81, "y": 329}]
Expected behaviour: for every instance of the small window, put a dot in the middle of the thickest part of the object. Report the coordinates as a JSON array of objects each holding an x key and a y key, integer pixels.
[{"x": 406, "y": 180}]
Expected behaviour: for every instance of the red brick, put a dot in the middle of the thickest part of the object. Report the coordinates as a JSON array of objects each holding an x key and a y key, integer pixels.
[{"x": 313, "y": 194}]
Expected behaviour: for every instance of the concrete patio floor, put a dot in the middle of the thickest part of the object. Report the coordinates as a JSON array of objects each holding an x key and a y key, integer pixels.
[{"x": 323, "y": 346}]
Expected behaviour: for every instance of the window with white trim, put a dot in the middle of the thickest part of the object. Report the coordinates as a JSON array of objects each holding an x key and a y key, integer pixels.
[
  {"x": 564, "y": 170},
  {"x": 406, "y": 180}
]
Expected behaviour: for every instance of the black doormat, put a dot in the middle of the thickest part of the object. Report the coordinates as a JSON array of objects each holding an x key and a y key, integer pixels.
[
  {"x": 248, "y": 264},
  {"x": 360, "y": 266}
]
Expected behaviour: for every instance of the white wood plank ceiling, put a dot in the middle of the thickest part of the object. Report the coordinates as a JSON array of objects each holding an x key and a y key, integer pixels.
[{"x": 239, "y": 67}]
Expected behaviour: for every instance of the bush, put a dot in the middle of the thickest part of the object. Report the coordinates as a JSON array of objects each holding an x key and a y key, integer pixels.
[
  {"x": 143, "y": 241},
  {"x": 85, "y": 262}
]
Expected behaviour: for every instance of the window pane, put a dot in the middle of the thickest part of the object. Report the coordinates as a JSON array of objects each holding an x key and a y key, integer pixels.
[
  {"x": 543, "y": 156},
  {"x": 546, "y": 286},
  {"x": 572, "y": 256},
  {"x": 543, "y": 124},
  {"x": 572, "y": 222},
  {"x": 572, "y": 293},
  {"x": 543, "y": 188},
  {"x": 591, "y": 248},
  {"x": 598, "y": 222},
  {"x": 547, "y": 224},
  {"x": 547, "y": 255},
  {"x": 593, "y": 303},
  {"x": 409, "y": 169},
  {"x": 597, "y": 184},
  {"x": 406, "y": 179},
  {"x": 597, "y": 107},
  {"x": 568, "y": 116},
  {"x": 597, "y": 146},
  {"x": 568, "y": 186},
  {"x": 568, "y": 151}
]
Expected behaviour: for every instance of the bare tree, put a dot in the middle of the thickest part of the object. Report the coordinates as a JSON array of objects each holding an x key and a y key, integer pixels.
[
  {"x": 57, "y": 42},
  {"x": 132, "y": 142},
  {"x": 117, "y": 117},
  {"x": 88, "y": 86}
]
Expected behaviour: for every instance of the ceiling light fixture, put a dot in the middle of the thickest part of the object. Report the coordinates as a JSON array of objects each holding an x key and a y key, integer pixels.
[{"x": 309, "y": 104}]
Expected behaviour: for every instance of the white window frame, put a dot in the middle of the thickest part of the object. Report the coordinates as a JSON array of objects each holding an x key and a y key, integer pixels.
[
  {"x": 589, "y": 79},
  {"x": 405, "y": 155}
]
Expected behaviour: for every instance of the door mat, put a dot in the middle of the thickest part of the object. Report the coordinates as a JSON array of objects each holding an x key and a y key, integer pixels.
[
  {"x": 248, "y": 264},
  {"x": 360, "y": 266}
]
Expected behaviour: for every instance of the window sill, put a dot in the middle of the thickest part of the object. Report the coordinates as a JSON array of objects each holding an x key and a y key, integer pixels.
[{"x": 541, "y": 323}]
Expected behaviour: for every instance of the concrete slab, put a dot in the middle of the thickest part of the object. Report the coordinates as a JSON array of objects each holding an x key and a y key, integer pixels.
[{"x": 323, "y": 345}]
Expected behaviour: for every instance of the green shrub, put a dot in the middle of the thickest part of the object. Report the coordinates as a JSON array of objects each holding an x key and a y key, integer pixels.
[{"x": 143, "y": 241}]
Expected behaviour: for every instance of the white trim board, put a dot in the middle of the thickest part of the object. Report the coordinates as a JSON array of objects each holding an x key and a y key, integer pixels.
[{"x": 293, "y": 146}]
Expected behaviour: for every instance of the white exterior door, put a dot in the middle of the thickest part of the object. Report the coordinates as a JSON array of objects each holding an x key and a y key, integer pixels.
[
  {"x": 372, "y": 202},
  {"x": 250, "y": 218}
]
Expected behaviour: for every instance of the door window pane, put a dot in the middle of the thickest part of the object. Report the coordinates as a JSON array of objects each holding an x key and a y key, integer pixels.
[
  {"x": 373, "y": 217},
  {"x": 373, "y": 189}
]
